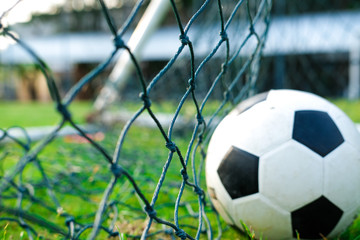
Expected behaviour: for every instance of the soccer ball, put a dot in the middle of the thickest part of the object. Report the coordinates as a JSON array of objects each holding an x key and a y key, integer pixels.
[{"x": 287, "y": 164}]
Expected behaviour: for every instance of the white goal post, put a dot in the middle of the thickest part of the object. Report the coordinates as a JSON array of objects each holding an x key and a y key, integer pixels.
[{"x": 119, "y": 76}]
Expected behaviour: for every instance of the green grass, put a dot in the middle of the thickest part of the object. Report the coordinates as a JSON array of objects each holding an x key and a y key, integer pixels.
[
  {"x": 84, "y": 174},
  {"x": 32, "y": 114},
  {"x": 81, "y": 174},
  {"x": 42, "y": 114}
]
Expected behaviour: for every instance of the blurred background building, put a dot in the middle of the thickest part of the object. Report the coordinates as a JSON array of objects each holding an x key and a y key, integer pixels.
[{"x": 313, "y": 45}]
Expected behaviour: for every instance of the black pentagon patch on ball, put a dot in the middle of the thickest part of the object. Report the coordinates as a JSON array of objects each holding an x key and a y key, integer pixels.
[
  {"x": 315, "y": 219},
  {"x": 317, "y": 131},
  {"x": 250, "y": 102},
  {"x": 238, "y": 172}
]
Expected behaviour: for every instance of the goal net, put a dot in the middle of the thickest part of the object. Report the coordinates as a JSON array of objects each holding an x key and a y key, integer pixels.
[{"x": 140, "y": 183}]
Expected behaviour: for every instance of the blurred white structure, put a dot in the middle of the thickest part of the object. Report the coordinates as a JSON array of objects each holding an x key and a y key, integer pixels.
[{"x": 337, "y": 32}]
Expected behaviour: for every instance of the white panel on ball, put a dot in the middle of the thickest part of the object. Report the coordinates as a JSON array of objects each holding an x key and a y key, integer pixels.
[
  {"x": 342, "y": 176},
  {"x": 296, "y": 100},
  {"x": 252, "y": 124},
  {"x": 291, "y": 175},
  {"x": 223, "y": 211},
  {"x": 347, "y": 128},
  {"x": 220, "y": 143},
  {"x": 262, "y": 215}
]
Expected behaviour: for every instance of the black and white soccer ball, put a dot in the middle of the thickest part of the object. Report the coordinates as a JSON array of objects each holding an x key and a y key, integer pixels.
[{"x": 286, "y": 163}]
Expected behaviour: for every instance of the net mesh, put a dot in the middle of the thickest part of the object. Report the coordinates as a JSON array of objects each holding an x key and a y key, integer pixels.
[{"x": 125, "y": 188}]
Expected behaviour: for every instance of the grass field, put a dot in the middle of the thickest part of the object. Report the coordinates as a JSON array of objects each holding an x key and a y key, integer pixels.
[
  {"x": 33, "y": 114},
  {"x": 80, "y": 174}
]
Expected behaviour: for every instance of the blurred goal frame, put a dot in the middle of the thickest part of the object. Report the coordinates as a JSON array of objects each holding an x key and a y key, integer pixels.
[{"x": 149, "y": 22}]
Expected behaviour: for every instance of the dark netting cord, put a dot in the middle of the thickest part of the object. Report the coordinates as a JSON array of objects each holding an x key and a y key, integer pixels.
[{"x": 12, "y": 185}]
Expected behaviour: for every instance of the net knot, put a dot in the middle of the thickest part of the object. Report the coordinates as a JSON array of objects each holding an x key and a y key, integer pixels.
[
  {"x": 184, "y": 174},
  {"x": 226, "y": 95},
  {"x": 198, "y": 190},
  {"x": 22, "y": 189},
  {"x": 27, "y": 148},
  {"x": 200, "y": 193},
  {"x": 184, "y": 39},
  {"x": 224, "y": 36},
  {"x": 112, "y": 203},
  {"x": 31, "y": 159},
  {"x": 200, "y": 138},
  {"x": 23, "y": 225},
  {"x": 171, "y": 146},
  {"x": 114, "y": 234},
  {"x": 181, "y": 234},
  {"x": 199, "y": 118},
  {"x": 150, "y": 211},
  {"x": 63, "y": 110},
  {"x": 267, "y": 20},
  {"x": 224, "y": 67},
  {"x": 145, "y": 99},
  {"x": 118, "y": 42},
  {"x": 117, "y": 170},
  {"x": 69, "y": 220},
  {"x": 252, "y": 29},
  {"x": 191, "y": 83}
]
